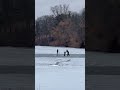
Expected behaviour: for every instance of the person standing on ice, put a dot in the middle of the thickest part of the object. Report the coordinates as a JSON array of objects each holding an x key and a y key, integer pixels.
[
  {"x": 68, "y": 54},
  {"x": 57, "y": 52},
  {"x": 64, "y": 53}
]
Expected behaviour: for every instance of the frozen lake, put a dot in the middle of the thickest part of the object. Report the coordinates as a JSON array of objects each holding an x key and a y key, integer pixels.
[
  {"x": 17, "y": 68},
  {"x": 17, "y": 81},
  {"x": 59, "y": 73}
]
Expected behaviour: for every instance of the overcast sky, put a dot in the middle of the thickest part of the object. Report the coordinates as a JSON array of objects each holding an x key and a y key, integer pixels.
[{"x": 42, "y": 7}]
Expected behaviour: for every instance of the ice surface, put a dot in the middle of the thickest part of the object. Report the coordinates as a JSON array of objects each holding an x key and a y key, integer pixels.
[
  {"x": 16, "y": 82},
  {"x": 16, "y": 56},
  {"x": 55, "y": 73},
  {"x": 102, "y": 59},
  {"x": 52, "y": 50}
]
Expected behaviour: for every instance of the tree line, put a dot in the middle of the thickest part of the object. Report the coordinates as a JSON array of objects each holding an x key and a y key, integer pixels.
[
  {"x": 17, "y": 23},
  {"x": 103, "y": 26},
  {"x": 62, "y": 28}
]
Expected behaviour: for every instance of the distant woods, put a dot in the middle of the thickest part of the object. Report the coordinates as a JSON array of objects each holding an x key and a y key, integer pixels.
[
  {"x": 17, "y": 23},
  {"x": 103, "y": 26},
  {"x": 60, "y": 9},
  {"x": 62, "y": 28}
]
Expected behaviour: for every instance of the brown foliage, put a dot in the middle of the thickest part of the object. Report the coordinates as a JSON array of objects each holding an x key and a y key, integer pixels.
[
  {"x": 64, "y": 28},
  {"x": 64, "y": 34}
]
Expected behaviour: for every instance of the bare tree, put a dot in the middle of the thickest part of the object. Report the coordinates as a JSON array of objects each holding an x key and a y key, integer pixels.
[{"x": 60, "y": 9}]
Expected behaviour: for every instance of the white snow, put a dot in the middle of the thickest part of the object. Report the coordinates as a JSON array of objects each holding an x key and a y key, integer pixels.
[
  {"x": 49, "y": 50},
  {"x": 58, "y": 73}
]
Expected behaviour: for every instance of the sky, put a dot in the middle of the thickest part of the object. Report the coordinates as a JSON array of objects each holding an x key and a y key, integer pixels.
[{"x": 42, "y": 7}]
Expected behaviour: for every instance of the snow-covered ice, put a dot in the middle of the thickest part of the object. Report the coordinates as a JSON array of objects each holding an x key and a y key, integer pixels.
[
  {"x": 13, "y": 56},
  {"x": 102, "y": 59},
  {"x": 58, "y": 73},
  {"x": 52, "y": 50}
]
